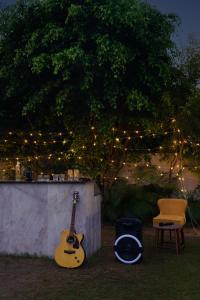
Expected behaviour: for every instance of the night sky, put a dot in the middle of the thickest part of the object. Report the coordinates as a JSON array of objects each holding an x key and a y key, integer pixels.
[{"x": 187, "y": 10}]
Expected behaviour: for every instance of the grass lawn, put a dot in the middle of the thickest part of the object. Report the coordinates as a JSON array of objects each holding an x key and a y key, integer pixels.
[{"x": 162, "y": 275}]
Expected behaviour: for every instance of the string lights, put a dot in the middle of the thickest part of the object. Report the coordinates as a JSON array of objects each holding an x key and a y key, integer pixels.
[{"x": 35, "y": 143}]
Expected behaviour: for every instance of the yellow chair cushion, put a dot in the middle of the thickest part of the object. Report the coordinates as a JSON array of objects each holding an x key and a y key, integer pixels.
[
  {"x": 171, "y": 210},
  {"x": 169, "y": 218}
]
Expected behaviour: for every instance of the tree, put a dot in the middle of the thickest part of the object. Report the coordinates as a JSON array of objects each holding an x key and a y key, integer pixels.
[{"x": 97, "y": 63}]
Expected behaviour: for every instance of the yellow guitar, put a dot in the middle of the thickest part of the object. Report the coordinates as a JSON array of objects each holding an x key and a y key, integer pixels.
[{"x": 70, "y": 253}]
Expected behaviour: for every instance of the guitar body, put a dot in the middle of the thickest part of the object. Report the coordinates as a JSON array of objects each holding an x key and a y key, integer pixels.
[{"x": 70, "y": 253}]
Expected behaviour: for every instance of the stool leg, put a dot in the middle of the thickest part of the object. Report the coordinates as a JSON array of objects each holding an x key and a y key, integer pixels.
[
  {"x": 170, "y": 235},
  {"x": 177, "y": 241},
  {"x": 162, "y": 237},
  {"x": 156, "y": 237},
  {"x": 182, "y": 238}
]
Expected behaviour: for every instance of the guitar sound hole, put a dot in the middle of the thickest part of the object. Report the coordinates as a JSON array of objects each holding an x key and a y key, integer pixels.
[{"x": 71, "y": 239}]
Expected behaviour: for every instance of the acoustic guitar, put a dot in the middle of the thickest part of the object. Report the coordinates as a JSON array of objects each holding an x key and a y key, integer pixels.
[{"x": 70, "y": 253}]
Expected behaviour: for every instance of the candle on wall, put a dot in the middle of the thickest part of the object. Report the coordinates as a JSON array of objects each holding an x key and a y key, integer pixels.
[
  {"x": 18, "y": 171},
  {"x": 70, "y": 174},
  {"x": 76, "y": 174}
]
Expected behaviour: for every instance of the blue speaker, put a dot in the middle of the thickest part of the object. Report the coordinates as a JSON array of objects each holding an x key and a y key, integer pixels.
[{"x": 128, "y": 246}]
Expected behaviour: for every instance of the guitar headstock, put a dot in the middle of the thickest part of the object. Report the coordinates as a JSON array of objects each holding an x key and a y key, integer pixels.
[{"x": 75, "y": 197}]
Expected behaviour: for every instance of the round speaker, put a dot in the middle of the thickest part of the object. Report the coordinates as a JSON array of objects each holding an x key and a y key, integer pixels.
[{"x": 128, "y": 249}]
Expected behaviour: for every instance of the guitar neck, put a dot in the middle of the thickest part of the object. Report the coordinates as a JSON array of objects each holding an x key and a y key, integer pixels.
[{"x": 72, "y": 225}]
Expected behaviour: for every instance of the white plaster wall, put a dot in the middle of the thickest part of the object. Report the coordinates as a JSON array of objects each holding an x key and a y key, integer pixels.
[{"x": 32, "y": 215}]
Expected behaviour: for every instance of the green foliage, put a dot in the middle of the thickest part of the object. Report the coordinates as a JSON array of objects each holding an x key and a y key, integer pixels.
[
  {"x": 133, "y": 200},
  {"x": 63, "y": 61},
  {"x": 71, "y": 65},
  {"x": 193, "y": 213},
  {"x": 184, "y": 93}
]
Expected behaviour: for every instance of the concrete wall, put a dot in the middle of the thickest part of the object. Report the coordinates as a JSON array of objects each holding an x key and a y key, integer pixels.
[{"x": 32, "y": 215}]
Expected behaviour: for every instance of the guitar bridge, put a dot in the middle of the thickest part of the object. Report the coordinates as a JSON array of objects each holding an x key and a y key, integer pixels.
[{"x": 69, "y": 251}]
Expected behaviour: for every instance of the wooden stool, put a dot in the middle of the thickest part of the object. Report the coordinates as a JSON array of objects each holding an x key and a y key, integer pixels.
[{"x": 178, "y": 234}]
